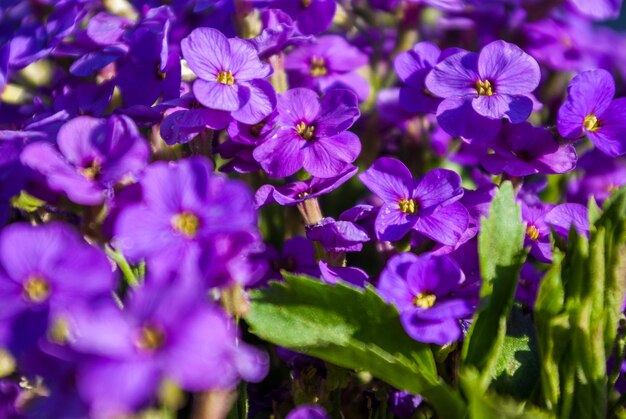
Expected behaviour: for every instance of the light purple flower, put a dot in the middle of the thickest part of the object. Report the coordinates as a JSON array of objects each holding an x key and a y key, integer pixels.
[
  {"x": 311, "y": 134},
  {"x": 420, "y": 287},
  {"x": 591, "y": 110},
  {"x": 307, "y": 411},
  {"x": 565, "y": 216},
  {"x": 598, "y": 9},
  {"x": 230, "y": 75},
  {"x": 428, "y": 205}
]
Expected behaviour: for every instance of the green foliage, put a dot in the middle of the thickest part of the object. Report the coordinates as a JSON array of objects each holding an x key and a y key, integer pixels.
[{"x": 350, "y": 328}]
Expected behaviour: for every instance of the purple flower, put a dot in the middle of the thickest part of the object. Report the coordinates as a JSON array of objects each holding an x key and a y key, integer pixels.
[
  {"x": 598, "y": 9},
  {"x": 311, "y": 16},
  {"x": 591, "y": 110},
  {"x": 602, "y": 176},
  {"x": 334, "y": 274},
  {"x": 523, "y": 150},
  {"x": 297, "y": 256},
  {"x": 480, "y": 89},
  {"x": 420, "y": 287},
  {"x": 427, "y": 205},
  {"x": 338, "y": 236},
  {"x": 329, "y": 64},
  {"x": 565, "y": 216},
  {"x": 403, "y": 404},
  {"x": 230, "y": 75},
  {"x": 311, "y": 133},
  {"x": 528, "y": 285},
  {"x": 307, "y": 411},
  {"x": 412, "y": 68},
  {"x": 297, "y": 192},
  {"x": 93, "y": 155},
  {"x": 537, "y": 231},
  {"x": 279, "y": 33}
]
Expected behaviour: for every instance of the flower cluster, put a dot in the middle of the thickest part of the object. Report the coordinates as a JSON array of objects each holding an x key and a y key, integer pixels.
[{"x": 160, "y": 159}]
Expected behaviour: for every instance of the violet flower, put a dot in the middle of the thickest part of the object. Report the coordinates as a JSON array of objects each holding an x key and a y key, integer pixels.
[
  {"x": 334, "y": 274},
  {"x": 230, "y": 75},
  {"x": 598, "y": 9},
  {"x": 338, "y": 236},
  {"x": 565, "y": 216},
  {"x": 311, "y": 16},
  {"x": 311, "y": 134},
  {"x": 93, "y": 155},
  {"x": 591, "y": 110},
  {"x": 420, "y": 287},
  {"x": 602, "y": 175},
  {"x": 537, "y": 231},
  {"x": 428, "y": 205},
  {"x": 481, "y": 89}
]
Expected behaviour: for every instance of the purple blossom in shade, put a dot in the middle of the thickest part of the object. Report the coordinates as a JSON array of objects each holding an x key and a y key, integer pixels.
[
  {"x": 9, "y": 393},
  {"x": 92, "y": 156},
  {"x": 481, "y": 89},
  {"x": 300, "y": 191},
  {"x": 338, "y": 236},
  {"x": 310, "y": 16},
  {"x": 164, "y": 332},
  {"x": 308, "y": 411},
  {"x": 412, "y": 67},
  {"x": 523, "y": 150},
  {"x": 334, "y": 274},
  {"x": 602, "y": 176},
  {"x": 83, "y": 98},
  {"x": 565, "y": 216},
  {"x": 420, "y": 287},
  {"x": 403, "y": 404},
  {"x": 591, "y": 110},
  {"x": 184, "y": 208},
  {"x": 528, "y": 285},
  {"x": 537, "y": 231},
  {"x": 279, "y": 32},
  {"x": 330, "y": 63},
  {"x": 428, "y": 205},
  {"x": 255, "y": 134},
  {"x": 297, "y": 256},
  {"x": 598, "y": 9},
  {"x": 311, "y": 134},
  {"x": 240, "y": 157},
  {"x": 230, "y": 75}
]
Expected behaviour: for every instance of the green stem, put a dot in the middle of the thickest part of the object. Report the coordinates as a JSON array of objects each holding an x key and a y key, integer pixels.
[{"x": 123, "y": 264}]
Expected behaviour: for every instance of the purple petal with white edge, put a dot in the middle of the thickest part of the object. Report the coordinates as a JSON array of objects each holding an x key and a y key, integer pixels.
[
  {"x": 339, "y": 109},
  {"x": 389, "y": 179},
  {"x": 412, "y": 66},
  {"x": 297, "y": 105},
  {"x": 282, "y": 154},
  {"x": 455, "y": 76},
  {"x": 458, "y": 118},
  {"x": 261, "y": 103},
  {"x": 508, "y": 68},
  {"x": 245, "y": 63},
  {"x": 392, "y": 224},
  {"x": 610, "y": 138},
  {"x": 446, "y": 225},
  {"x": 438, "y": 332},
  {"x": 222, "y": 97},
  {"x": 392, "y": 284},
  {"x": 589, "y": 93},
  {"x": 515, "y": 108},
  {"x": 437, "y": 188},
  {"x": 565, "y": 216},
  {"x": 207, "y": 52},
  {"x": 598, "y": 9},
  {"x": 334, "y": 274}
]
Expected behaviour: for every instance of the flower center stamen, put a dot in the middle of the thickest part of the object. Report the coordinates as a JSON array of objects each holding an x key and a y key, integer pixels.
[
  {"x": 225, "y": 77},
  {"x": 305, "y": 131},
  {"x": 425, "y": 300},
  {"x": 408, "y": 206},
  {"x": 318, "y": 67},
  {"x": 151, "y": 338},
  {"x": 36, "y": 289},
  {"x": 484, "y": 88},
  {"x": 306, "y": 3},
  {"x": 186, "y": 223},
  {"x": 532, "y": 232},
  {"x": 591, "y": 123},
  {"x": 92, "y": 171}
]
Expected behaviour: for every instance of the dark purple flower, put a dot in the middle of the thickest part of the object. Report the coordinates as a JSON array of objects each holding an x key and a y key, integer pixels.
[
  {"x": 420, "y": 287},
  {"x": 523, "y": 150},
  {"x": 297, "y": 256},
  {"x": 338, "y": 236},
  {"x": 334, "y": 274},
  {"x": 311, "y": 16},
  {"x": 481, "y": 89},
  {"x": 297, "y": 192},
  {"x": 93, "y": 155},
  {"x": 9, "y": 393},
  {"x": 412, "y": 68},
  {"x": 311, "y": 134},
  {"x": 591, "y": 110},
  {"x": 598, "y": 9},
  {"x": 230, "y": 75},
  {"x": 403, "y": 404},
  {"x": 602, "y": 176},
  {"x": 307, "y": 411},
  {"x": 329, "y": 64},
  {"x": 427, "y": 205},
  {"x": 528, "y": 285},
  {"x": 537, "y": 231},
  {"x": 565, "y": 216},
  {"x": 279, "y": 32}
]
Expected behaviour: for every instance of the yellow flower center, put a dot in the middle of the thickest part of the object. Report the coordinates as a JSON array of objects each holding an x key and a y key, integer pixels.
[
  {"x": 36, "y": 289},
  {"x": 591, "y": 123},
  {"x": 484, "y": 88},
  {"x": 59, "y": 332},
  {"x": 305, "y": 131},
  {"x": 92, "y": 171},
  {"x": 318, "y": 67},
  {"x": 186, "y": 223},
  {"x": 408, "y": 206},
  {"x": 225, "y": 77},
  {"x": 151, "y": 338},
  {"x": 532, "y": 232},
  {"x": 425, "y": 300},
  {"x": 306, "y": 3}
]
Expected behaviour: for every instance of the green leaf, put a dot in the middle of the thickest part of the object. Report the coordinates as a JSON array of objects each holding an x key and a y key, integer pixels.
[
  {"x": 502, "y": 254},
  {"x": 353, "y": 329},
  {"x": 27, "y": 202}
]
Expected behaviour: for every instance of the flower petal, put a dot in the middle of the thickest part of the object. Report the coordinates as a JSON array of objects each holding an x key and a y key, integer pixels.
[{"x": 389, "y": 179}]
